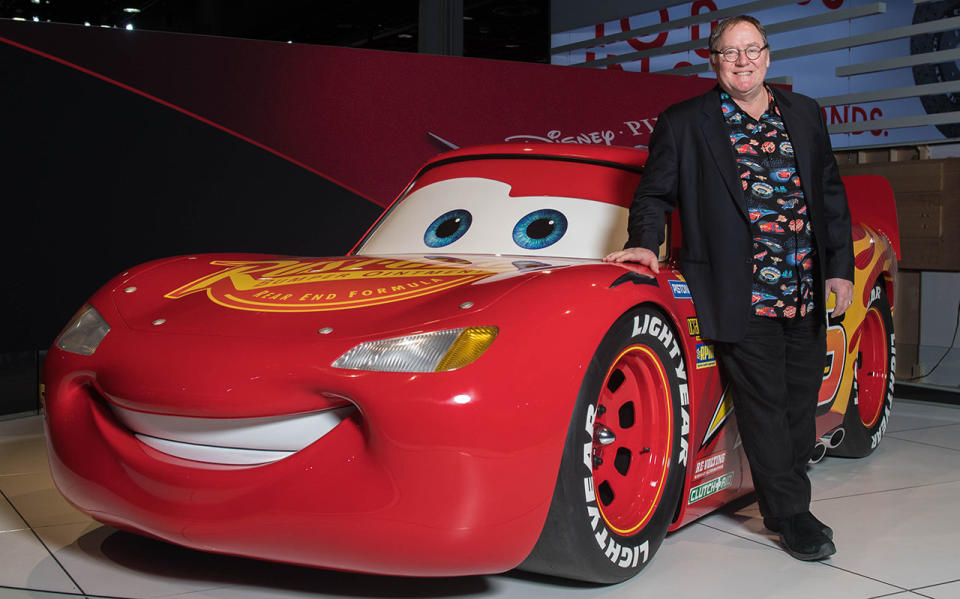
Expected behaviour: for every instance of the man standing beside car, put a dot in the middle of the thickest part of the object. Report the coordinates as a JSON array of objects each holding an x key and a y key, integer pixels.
[{"x": 765, "y": 240}]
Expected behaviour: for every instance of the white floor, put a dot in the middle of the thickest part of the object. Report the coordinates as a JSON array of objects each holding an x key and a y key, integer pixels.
[{"x": 896, "y": 515}]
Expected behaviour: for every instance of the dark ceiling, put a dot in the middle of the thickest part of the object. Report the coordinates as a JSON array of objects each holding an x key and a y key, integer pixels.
[{"x": 501, "y": 29}]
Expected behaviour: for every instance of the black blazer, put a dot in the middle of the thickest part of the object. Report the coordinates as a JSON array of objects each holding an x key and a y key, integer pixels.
[{"x": 692, "y": 166}]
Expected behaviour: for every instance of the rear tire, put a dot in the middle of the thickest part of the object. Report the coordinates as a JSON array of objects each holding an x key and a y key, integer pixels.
[
  {"x": 871, "y": 396},
  {"x": 625, "y": 456}
]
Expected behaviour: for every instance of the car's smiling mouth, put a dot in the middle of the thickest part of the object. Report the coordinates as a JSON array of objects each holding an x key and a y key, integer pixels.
[{"x": 233, "y": 441}]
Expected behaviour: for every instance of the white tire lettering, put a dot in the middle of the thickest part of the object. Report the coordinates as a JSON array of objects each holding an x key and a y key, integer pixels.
[
  {"x": 655, "y": 325},
  {"x": 675, "y": 350},
  {"x": 613, "y": 551},
  {"x": 644, "y": 548},
  {"x": 637, "y": 329},
  {"x": 591, "y": 417},
  {"x": 665, "y": 337},
  {"x": 601, "y": 536},
  {"x": 594, "y": 514},
  {"x": 878, "y": 435}
]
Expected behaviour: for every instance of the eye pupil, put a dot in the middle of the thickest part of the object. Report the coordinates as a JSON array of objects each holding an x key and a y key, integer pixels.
[
  {"x": 540, "y": 228},
  {"x": 448, "y": 227}
]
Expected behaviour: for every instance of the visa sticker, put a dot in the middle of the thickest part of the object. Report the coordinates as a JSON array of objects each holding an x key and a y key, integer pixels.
[
  {"x": 680, "y": 290},
  {"x": 705, "y": 356}
]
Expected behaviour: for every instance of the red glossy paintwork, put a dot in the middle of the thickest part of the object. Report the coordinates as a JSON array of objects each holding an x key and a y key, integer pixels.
[
  {"x": 871, "y": 201},
  {"x": 415, "y": 483}
]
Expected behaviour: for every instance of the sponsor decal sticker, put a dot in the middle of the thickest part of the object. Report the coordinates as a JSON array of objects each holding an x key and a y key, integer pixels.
[
  {"x": 705, "y": 356},
  {"x": 680, "y": 290},
  {"x": 710, "y": 465},
  {"x": 693, "y": 327},
  {"x": 711, "y": 487},
  {"x": 327, "y": 284}
]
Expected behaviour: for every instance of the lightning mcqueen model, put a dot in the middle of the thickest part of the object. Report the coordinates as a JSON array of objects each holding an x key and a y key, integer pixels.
[{"x": 470, "y": 390}]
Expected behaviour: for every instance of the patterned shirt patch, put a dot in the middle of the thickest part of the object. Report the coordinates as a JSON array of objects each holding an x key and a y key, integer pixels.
[{"x": 782, "y": 237}]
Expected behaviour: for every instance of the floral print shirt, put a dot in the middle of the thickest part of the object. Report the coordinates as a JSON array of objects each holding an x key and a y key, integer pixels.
[{"x": 782, "y": 238}]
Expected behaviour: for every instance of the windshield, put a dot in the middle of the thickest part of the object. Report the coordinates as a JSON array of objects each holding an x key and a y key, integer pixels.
[{"x": 500, "y": 214}]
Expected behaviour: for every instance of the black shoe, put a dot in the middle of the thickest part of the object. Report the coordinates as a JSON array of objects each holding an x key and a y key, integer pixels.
[
  {"x": 804, "y": 540},
  {"x": 773, "y": 524}
]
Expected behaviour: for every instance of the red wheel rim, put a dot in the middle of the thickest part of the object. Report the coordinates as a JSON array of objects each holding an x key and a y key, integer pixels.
[
  {"x": 872, "y": 368},
  {"x": 632, "y": 437}
]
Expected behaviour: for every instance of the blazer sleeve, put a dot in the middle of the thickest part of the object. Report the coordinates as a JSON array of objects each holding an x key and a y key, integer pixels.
[
  {"x": 838, "y": 247},
  {"x": 656, "y": 196}
]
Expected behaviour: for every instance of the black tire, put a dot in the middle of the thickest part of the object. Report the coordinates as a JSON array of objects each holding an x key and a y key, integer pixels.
[
  {"x": 592, "y": 532},
  {"x": 871, "y": 396}
]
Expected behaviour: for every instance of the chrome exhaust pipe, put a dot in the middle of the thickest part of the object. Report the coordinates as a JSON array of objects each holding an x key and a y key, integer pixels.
[
  {"x": 819, "y": 450},
  {"x": 834, "y": 438},
  {"x": 830, "y": 440}
]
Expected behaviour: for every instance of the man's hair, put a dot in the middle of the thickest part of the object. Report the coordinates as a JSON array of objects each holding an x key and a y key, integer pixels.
[{"x": 732, "y": 21}]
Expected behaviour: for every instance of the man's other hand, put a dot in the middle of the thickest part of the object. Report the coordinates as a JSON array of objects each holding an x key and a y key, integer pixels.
[{"x": 844, "y": 291}]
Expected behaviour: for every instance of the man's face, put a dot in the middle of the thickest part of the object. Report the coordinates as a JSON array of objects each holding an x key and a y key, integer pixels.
[{"x": 744, "y": 77}]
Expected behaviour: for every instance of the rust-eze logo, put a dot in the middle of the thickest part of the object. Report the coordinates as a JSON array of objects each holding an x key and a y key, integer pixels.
[{"x": 330, "y": 284}]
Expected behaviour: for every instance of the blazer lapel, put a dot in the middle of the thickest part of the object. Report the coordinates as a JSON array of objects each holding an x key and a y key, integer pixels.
[
  {"x": 717, "y": 137},
  {"x": 801, "y": 137}
]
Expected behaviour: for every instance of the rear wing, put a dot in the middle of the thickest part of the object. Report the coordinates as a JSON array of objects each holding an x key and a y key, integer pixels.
[{"x": 871, "y": 202}]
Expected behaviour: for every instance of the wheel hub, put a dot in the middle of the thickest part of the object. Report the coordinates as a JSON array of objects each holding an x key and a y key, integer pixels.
[
  {"x": 632, "y": 439},
  {"x": 872, "y": 364},
  {"x": 602, "y": 435}
]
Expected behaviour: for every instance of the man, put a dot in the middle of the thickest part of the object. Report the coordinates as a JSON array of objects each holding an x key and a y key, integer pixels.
[{"x": 766, "y": 239}]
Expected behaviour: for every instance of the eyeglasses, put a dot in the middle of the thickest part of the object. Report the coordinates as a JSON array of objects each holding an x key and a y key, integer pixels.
[{"x": 733, "y": 54}]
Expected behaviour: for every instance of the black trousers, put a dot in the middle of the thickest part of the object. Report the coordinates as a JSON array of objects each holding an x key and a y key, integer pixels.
[{"x": 775, "y": 374}]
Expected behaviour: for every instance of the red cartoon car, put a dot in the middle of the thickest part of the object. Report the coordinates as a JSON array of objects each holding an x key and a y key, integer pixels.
[{"x": 470, "y": 390}]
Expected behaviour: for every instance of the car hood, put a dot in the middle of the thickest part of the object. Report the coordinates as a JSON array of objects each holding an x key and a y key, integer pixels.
[{"x": 281, "y": 296}]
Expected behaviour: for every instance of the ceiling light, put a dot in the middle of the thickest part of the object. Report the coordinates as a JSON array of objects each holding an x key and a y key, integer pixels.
[
  {"x": 129, "y": 27},
  {"x": 131, "y": 10},
  {"x": 405, "y": 36}
]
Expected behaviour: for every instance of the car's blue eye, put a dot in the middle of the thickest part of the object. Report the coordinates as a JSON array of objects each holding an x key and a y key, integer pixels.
[
  {"x": 447, "y": 228},
  {"x": 540, "y": 229}
]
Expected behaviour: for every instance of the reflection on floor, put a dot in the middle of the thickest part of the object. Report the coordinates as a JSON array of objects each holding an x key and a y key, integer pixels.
[{"x": 894, "y": 513}]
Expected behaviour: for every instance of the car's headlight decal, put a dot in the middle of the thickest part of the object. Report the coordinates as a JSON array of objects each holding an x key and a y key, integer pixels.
[
  {"x": 84, "y": 332},
  {"x": 469, "y": 346},
  {"x": 435, "y": 351}
]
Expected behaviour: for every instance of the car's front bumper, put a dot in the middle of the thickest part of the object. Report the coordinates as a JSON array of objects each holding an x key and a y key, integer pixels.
[{"x": 439, "y": 474}]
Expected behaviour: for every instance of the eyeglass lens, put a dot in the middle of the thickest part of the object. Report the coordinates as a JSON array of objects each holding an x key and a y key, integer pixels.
[{"x": 733, "y": 54}]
